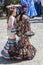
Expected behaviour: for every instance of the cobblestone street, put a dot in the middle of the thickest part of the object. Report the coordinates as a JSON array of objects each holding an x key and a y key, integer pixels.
[{"x": 36, "y": 40}]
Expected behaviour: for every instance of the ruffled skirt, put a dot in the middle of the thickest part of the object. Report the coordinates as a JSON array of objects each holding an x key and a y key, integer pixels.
[{"x": 20, "y": 50}]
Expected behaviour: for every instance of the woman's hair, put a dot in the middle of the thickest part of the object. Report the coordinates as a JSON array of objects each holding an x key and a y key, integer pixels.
[
  {"x": 10, "y": 13},
  {"x": 21, "y": 14}
]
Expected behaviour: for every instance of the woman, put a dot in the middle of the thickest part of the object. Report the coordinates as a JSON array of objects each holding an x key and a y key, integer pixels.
[
  {"x": 12, "y": 37},
  {"x": 24, "y": 49},
  {"x": 31, "y": 11},
  {"x": 5, "y": 9}
]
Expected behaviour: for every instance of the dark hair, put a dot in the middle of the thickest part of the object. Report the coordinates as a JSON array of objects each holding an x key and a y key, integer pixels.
[{"x": 21, "y": 14}]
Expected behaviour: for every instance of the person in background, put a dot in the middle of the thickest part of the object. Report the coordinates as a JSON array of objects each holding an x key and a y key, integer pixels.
[
  {"x": 38, "y": 7},
  {"x": 3, "y": 1},
  {"x": 42, "y": 8},
  {"x": 19, "y": 9},
  {"x": 0, "y": 0},
  {"x": 30, "y": 8},
  {"x": 24, "y": 5},
  {"x": 5, "y": 9}
]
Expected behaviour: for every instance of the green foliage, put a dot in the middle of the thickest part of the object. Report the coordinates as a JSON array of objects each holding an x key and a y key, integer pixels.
[{"x": 15, "y": 1}]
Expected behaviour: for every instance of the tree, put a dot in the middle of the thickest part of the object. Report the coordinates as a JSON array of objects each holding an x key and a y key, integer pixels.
[{"x": 15, "y": 1}]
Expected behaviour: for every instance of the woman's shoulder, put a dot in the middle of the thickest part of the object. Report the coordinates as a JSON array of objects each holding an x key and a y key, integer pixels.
[{"x": 12, "y": 18}]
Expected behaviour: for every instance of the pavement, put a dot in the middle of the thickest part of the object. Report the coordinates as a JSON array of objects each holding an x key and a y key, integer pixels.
[{"x": 36, "y": 40}]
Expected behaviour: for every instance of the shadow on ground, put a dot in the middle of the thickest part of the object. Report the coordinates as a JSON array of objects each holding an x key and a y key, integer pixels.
[
  {"x": 1, "y": 18},
  {"x": 4, "y": 61}
]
